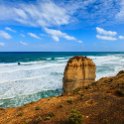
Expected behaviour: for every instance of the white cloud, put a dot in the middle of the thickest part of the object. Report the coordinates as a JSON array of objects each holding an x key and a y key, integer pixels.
[
  {"x": 102, "y": 37},
  {"x": 2, "y": 44},
  {"x": 9, "y": 29},
  {"x": 120, "y": 15},
  {"x": 43, "y": 14},
  {"x": 108, "y": 35},
  {"x": 33, "y": 35},
  {"x": 121, "y": 37},
  {"x": 105, "y": 34},
  {"x": 57, "y": 34},
  {"x": 5, "y": 35},
  {"x": 47, "y": 13},
  {"x": 102, "y": 31},
  {"x": 23, "y": 43}
]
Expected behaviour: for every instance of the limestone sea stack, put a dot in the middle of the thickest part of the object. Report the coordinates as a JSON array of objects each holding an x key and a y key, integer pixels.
[{"x": 80, "y": 71}]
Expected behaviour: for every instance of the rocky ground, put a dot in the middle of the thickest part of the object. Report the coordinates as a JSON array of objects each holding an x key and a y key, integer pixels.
[{"x": 102, "y": 102}]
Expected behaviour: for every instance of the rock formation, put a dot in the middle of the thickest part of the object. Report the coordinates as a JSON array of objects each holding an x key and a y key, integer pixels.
[{"x": 79, "y": 72}]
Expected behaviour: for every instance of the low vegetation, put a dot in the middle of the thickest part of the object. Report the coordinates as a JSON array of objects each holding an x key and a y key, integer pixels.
[
  {"x": 69, "y": 100},
  {"x": 37, "y": 108},
  {"x": 19, "y": 113},
  {"x": 75, "y": 117}
]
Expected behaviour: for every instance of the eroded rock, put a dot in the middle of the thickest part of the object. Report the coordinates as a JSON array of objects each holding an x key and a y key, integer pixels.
[{"x": 79, "y": 72}]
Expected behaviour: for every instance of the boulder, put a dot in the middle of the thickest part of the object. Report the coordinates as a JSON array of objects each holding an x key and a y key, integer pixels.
[{"x": 79, "y": 72}]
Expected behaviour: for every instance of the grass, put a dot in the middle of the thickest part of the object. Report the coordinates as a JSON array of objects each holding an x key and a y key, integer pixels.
[
  {"x": 38, "y": 119},
  {"x": 37, "y": 108},
  {"x": 49, "y": 116},
  {"x": 81, "y": 96},
  {"x": 27, "y": 121},
  {"x": 75, "y": 117},
  {"x": 20, "y": 113},
  {"x": 60, "y": 106},
  {"x": 70, "y": 101}
]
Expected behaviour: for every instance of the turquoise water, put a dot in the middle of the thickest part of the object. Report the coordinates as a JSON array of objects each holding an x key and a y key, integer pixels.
[{"x": 40, "y": 74}]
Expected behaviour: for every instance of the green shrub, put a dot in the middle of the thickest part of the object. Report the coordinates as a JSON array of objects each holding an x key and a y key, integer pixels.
[
  {"x": 75, "y": 117},
  {"x": 81, "y": 96},
  {"x": 38, "y": 119},
  {"x": 60, "y": 106},
  {"x": 37, "y": 108},
  {"x": 69, "y": 101},
  {"x": 48, "y": 116},
  {"x": 28, "y": 121},
  {"x": 20, "y": 114}
]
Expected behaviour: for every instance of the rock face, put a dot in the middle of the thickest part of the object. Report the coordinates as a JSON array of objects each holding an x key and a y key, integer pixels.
[{"x": 79, "y": 72}]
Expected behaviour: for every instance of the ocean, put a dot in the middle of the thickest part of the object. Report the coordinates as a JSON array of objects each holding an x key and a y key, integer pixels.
[{"x": 40, "y": 74}]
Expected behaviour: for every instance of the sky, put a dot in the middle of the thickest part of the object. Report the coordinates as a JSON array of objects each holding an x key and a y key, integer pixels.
[{"x": 62, "y": 25}]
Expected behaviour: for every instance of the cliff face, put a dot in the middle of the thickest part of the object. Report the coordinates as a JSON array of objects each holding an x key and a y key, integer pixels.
[{"x": 79, "y": 72}]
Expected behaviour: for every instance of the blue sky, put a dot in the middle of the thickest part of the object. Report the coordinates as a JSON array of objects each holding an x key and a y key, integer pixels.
[{"x": 62, "y": 25}]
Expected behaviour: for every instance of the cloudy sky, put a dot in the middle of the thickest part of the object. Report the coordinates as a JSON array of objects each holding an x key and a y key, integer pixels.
[{"x": 61, "y": 25}]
